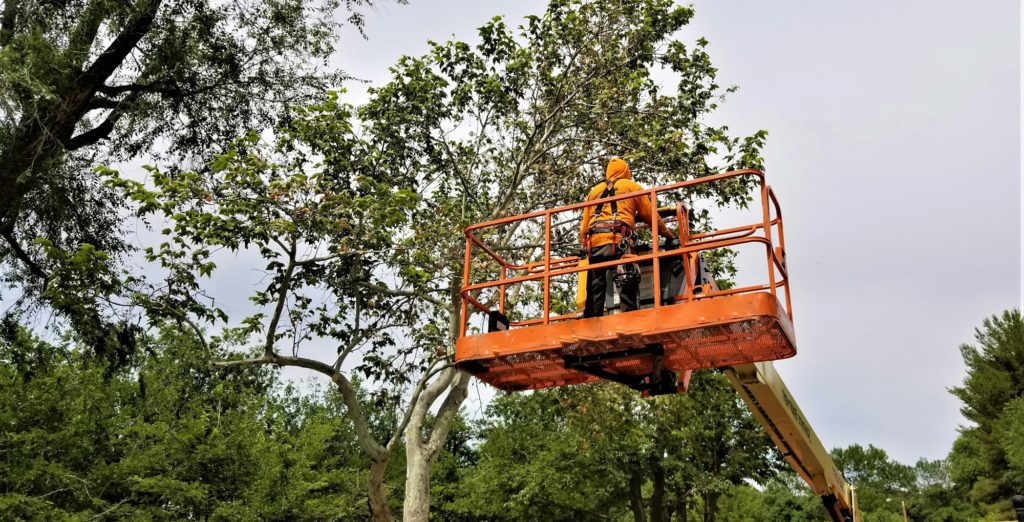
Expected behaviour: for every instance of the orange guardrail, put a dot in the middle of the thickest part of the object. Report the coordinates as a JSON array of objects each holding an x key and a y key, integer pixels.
[{"x": 760, "y": 232}]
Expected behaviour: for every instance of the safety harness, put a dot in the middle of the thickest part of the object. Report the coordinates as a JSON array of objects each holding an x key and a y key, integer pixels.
[
  {"x": 627, "y": 275},
  {"x": 622, "y": 233}
]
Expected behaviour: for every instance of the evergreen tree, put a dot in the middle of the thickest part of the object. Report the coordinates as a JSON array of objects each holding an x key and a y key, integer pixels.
[{"x": 987, "y": 457}]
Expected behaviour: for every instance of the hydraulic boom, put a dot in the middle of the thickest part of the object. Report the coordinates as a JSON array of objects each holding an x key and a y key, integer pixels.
[{"x": 773, "y": 406}]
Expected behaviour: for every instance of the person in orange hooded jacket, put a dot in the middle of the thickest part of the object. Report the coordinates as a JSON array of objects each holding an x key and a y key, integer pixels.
[{"x": 606, "y": 231}]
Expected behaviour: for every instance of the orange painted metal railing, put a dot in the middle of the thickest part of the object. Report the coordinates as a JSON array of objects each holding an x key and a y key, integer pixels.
[{"x": 690, "y": 244}]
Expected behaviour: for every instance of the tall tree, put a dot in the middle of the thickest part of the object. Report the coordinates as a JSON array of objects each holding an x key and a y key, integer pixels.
[
  {"x": 167, "y": 439},
  {"x": 882, "y": 483},
  {"x": 602, "y": 449},
  {"x": 309, "y": 205},
  {"x": 519, "y": 121},
  {"x": 86, "y": 81},
  {"x": 986, "y": 457},
  {"x": 361, "y": 229},
  {"x": 937, "y": 497}
]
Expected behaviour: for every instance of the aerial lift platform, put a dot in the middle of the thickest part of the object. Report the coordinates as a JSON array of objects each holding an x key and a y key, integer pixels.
[{"x": 685, "y": 321}]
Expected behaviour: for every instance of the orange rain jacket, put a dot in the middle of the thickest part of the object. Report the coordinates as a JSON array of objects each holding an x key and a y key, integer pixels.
[{"x": 618, "y": 174}]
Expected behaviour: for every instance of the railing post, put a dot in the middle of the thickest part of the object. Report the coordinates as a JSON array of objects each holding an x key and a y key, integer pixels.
[
  {"x": 501, "y": 294},
  {"x": 463, "y": 314},
  {"x": 547, "y": 267},
  {"x": 683, "y": 220},
  {"x": 782, "y": 246},
  {"x": 656, "y": 262},
  {"x": 768, "y": 235}
]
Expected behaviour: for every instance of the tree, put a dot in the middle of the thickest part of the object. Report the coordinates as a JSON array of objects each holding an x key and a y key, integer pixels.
[
  {"x": 937, "y": 497},
  {"x": 361, "y": 230},
  {"x": 306, "y": 204},
  {"x": 519, "y": 122},
  {"x": 530, "y": 465},
  {"x": 87, "y": 81},
  {"x": 986, "y": 456},
  {"x": 587, "y": 451},
  {"x": 166, "y": 439},
  {"x": 788, "y": 498},
  {"x": 728, "y": 445},
  {"x": 882, "y": 483},
  {"x": 785, "y": 497}
]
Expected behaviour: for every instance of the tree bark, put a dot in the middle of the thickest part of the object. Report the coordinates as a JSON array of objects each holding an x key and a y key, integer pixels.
[
  {"x": 378, "y": 497},
  {"x": 683, "y": 515},
  {"x": 421, "y": 450},
  {"x": 417, "y": 484},
  {"x": 710, "y": 506},
  {"x": 658, "y": 496},
  {"x": 636, "y": 497}
]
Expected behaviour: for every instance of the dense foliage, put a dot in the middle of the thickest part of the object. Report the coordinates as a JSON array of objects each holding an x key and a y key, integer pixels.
[
  {"x": 988, "y": 457},
  {"x": 591, "y": 451},
  {"x": 167, "y": 439},
  {"x": 90, "y": 81}
]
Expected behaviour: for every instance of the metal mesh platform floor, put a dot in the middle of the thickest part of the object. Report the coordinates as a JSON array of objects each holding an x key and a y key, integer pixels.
[{"x": 708, "y": 333}]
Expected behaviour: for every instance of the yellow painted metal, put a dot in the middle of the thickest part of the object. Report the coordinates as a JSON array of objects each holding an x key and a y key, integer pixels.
[{"x": 768, "y": 398}]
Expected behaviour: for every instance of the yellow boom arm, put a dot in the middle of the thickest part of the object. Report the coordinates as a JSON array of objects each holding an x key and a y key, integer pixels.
[{"x": 773, "y": 406}]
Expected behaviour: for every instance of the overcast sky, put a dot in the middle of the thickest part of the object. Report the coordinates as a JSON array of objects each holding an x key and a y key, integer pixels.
[{"x": 895, "y": 149}]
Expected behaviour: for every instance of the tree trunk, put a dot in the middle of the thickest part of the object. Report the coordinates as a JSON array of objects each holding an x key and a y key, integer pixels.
[
  {"x": 658, "y": 496},
  {"x": 683, "y": 513},
  {"x": 421, "y": 451},
  {"x": 710, "y": 506},
  {"x": 378, "y": 496},
  {"x": 636, "y": 497},
  {"x": 417, "y": 484}
]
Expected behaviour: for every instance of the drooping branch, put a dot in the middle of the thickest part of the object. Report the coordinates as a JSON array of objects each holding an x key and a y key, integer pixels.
[
  {"x": 98, "y": 132},
  {"x": 168, "y": 90},
  {"x": 84, "y": 33},
  {"x": 180, "y": 316},
  {"x": 7, "y": 233},
  {"x": 354, "y": 410}
]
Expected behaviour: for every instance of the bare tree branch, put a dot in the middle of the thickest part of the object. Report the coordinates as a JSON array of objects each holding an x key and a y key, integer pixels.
[
  {"x": 399, "y": 431},
  {"x": 282, "y": 297},
  {"x": 400, "y": 293},
  {"x": 446, "y": 413},
  {"x": 419, "y": 408},
  {"x": 348, "y": 393},
  {"x": 99, "y": 103},
  {"x": 7, "y": 233},
  {"x": 98, "y": 132},
  {"x": 115, "y": 53}
]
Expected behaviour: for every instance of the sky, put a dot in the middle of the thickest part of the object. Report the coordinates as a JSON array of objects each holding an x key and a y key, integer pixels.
[{"x": 894, "y": 147}]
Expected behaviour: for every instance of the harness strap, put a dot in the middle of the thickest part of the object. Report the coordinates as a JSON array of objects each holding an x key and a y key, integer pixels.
[
  {"x": 609, "y": 191},
  {"x": 619, "y": 230},
  {"x": 612, "y": 226}
]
